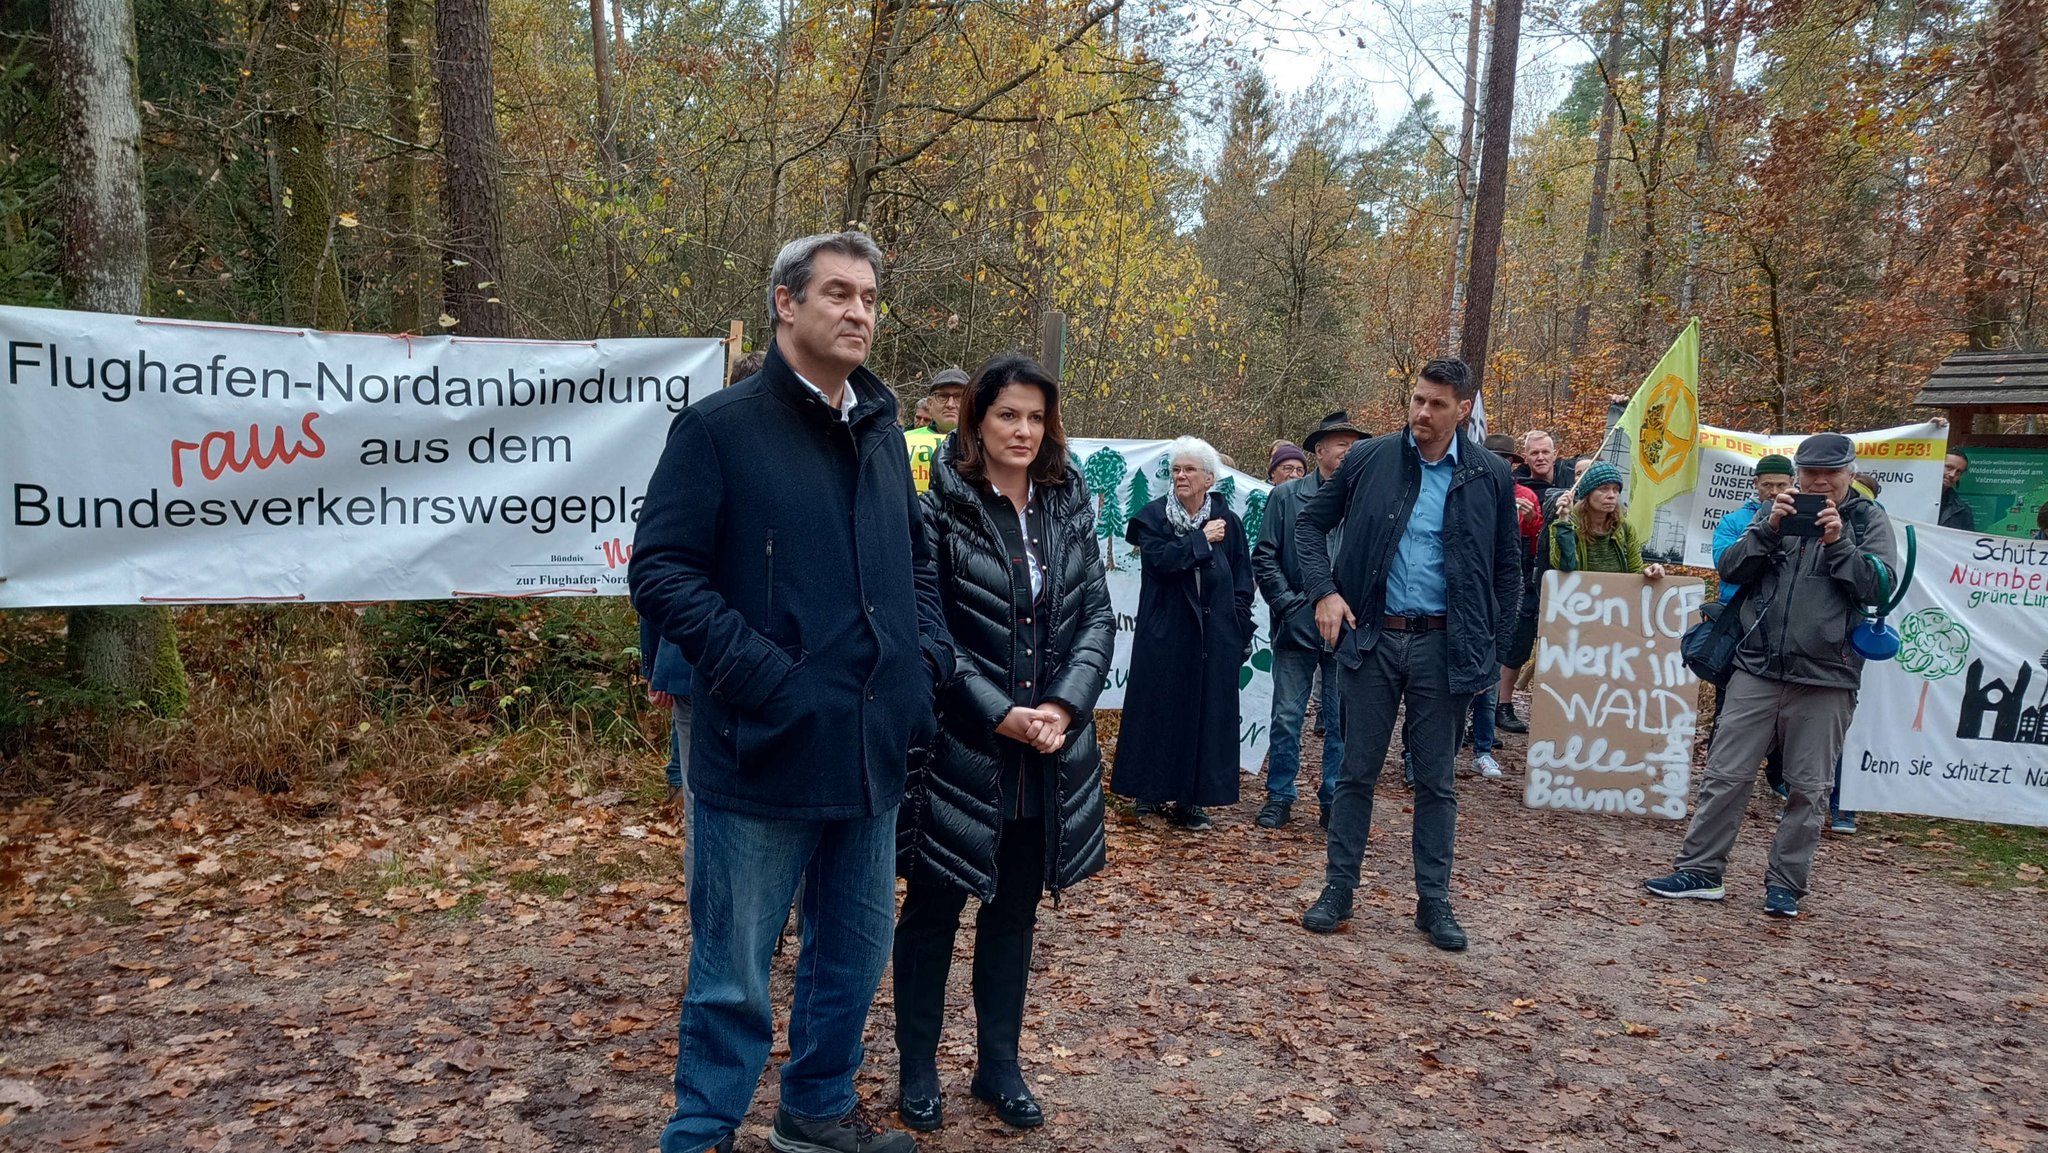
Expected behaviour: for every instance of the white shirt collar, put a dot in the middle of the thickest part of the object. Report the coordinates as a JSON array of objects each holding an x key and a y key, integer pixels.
[{"x": 846, "y": 398}]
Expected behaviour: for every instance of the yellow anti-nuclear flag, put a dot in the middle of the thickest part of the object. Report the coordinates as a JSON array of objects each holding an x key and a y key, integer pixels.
[{"x": 1659, "y": 433}]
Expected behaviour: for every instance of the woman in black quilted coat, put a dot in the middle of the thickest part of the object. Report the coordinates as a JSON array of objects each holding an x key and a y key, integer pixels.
[{"x": 1010, "y": 804}]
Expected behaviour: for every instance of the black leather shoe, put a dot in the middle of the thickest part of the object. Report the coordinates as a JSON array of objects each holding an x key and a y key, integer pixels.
[
  {"x": 1018, "y": 1109},
  {"x": 1276, "y": 813},
  {"x": 1331, "y": 909},
  {"x": 1433, "y": 916},
  {"x": 1323, "y": 817}
]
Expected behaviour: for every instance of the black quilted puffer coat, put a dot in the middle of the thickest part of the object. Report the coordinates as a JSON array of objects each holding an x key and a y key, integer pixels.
[{"x": 952, "y": 810}]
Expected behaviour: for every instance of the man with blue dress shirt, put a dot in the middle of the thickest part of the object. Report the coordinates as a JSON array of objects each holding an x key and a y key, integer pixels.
[{"x": 1429, "y": 579}]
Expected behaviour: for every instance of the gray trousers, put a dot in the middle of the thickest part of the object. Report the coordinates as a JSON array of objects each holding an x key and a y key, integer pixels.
[
  {"x": 1411, "y": 669},
  {"x": 1807, "y": 724}
]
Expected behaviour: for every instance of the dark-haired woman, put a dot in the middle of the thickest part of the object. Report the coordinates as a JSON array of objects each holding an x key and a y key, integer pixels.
[
  {"x": 1010, "y": 803},
  {"x": 1177, "y": 749}
]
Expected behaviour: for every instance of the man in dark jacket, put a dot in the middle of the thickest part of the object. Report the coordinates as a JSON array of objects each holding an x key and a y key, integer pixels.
[
  {"x": 1298, "y": 649},
  {"x": 1550, "y": 478},
  {"x": 805, "y": 601},
  {"x": 1955, "y": 511},
  {"x": 1795, "y": 677},
  {"x": 1429, "y": 580}
]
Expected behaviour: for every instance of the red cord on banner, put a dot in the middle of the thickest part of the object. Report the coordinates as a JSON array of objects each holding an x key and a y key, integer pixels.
[{"x": 524, "y": 595}]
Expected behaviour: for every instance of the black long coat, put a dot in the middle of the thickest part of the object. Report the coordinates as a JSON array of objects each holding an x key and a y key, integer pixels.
[
  {"x": 951, "y": 815},
  {"x": 1178, "y": 741}
]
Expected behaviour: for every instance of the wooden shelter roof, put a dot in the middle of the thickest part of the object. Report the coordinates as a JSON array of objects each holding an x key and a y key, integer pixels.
[{"x": 2012, "y": 379}]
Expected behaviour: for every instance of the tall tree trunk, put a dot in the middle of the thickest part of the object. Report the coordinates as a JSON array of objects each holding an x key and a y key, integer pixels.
[
  {"x": 885, "y": 39},
  {"x": 473, "y": 290},
  {"x": 1596, "y": 202},
  {"x": 2012, "y": 110},
  {"x": 1652, "y": 170},
  {"x": 411, "y": 305},
  {"x": 1461, "y": 224},
  {"x": 1718, "y": 66},
  {"x": 1493, "y": 186},
  {"x": 130, "y": 650},
  {"x": 299, "y": 67},
  {"x": 608, "y": 167}
]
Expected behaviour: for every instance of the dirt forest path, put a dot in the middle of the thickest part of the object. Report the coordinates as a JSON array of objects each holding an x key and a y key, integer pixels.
[{"x": 1176, "y": 1004}]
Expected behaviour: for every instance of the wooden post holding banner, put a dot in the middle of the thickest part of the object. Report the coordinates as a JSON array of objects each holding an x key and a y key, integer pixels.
[
  {"x": 1052, "y": 343},
  {"x": 1614, "y": 709},
  {"x": 734, "y": 339}
]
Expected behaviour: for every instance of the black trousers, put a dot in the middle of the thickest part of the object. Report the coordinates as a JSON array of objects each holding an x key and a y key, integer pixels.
[{"x": 1002, "y": 950}]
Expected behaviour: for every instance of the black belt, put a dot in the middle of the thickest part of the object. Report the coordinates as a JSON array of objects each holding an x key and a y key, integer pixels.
[{"x": 1415, "y": 624}]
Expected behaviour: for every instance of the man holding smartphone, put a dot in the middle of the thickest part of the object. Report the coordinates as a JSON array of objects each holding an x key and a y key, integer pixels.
[{"x": 1816, "y": 558}]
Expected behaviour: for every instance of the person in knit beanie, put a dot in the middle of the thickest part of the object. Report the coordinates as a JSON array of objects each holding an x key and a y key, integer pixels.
[
  {"x": 1287, "y": 463},
  {"x": 1595, "y": 536}
]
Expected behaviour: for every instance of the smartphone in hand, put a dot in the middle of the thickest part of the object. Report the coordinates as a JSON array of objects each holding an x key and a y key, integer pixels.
[{"x": 1806, "y": 506}]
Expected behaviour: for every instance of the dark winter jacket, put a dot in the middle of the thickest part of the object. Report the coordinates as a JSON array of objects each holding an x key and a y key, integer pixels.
[
  {"x": 1371, "y": 497},
  {"x": 781, "y": 549},
  {"x": 1956, "y": 512},
  {"x": 1276, "y": 565},
  {"x": 1179, "y": 737},
  {"x": 1808, "y": 595},
  {"x": 951, "y": 812}
]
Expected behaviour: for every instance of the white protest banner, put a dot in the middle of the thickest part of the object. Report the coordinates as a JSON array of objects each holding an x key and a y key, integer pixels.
[
  {"x": 171, "y": 461},
  {"x": 1614, "y": 709},
  {"x": 1905, "y": 461},
  {"x": 1957, "y": 724},
  {"x": 1125, "y": 476}
]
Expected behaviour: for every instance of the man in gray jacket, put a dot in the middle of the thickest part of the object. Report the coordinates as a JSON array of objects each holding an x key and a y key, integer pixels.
[
  {"x": 1298, "y": 649},
  {"x": 1795, "y": 677}
]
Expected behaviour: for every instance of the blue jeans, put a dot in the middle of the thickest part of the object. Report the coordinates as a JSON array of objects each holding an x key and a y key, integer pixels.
[
  {"x": 1294, "y": 672},
  {"x": 678, "y": 741},
  {"x": 745, "y": 874},
  {"x": 1483, "y": 719}
]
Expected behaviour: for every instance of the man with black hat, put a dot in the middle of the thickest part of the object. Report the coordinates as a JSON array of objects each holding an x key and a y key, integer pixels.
[
  {"x": 1298, "y": 648},
  {"x": 943, "y": 407},
  {"x": 1795, "y": 677}
]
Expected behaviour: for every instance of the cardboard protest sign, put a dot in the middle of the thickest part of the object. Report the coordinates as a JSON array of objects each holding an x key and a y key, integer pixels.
[{"x": 1614, "y": 709}]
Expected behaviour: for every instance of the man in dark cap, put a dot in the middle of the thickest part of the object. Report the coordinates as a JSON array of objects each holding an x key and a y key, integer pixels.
[
  {"x": 1298, "y": 648},
  {"x": 1795, "y": 680},
  {"x": 943, "y": 409}
]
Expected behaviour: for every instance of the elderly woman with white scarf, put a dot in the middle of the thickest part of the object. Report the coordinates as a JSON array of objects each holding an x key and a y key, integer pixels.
[{"x": 1176, "y": 751}]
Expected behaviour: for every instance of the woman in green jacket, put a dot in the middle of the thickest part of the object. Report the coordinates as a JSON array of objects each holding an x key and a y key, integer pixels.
[{"x": 1595, "y": 536}]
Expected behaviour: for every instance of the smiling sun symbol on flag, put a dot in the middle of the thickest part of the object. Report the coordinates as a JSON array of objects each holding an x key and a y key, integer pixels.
[{"x": 1670, "y": 429}]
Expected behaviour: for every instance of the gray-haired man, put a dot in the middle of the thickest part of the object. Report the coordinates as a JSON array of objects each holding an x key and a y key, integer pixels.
[
  {"x": 806, "y": 604},
  {"x": 1795, "y": 676}
]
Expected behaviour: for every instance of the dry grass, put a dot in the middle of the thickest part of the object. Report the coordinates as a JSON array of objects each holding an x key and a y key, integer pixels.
[{"x": 312, "y": 698}]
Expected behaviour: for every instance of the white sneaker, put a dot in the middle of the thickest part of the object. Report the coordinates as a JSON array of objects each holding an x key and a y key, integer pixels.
[{"x": 1487, "y": 766}]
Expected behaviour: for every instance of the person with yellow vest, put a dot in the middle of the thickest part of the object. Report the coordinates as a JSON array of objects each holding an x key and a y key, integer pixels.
[{"x": 948, "y": 386}]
